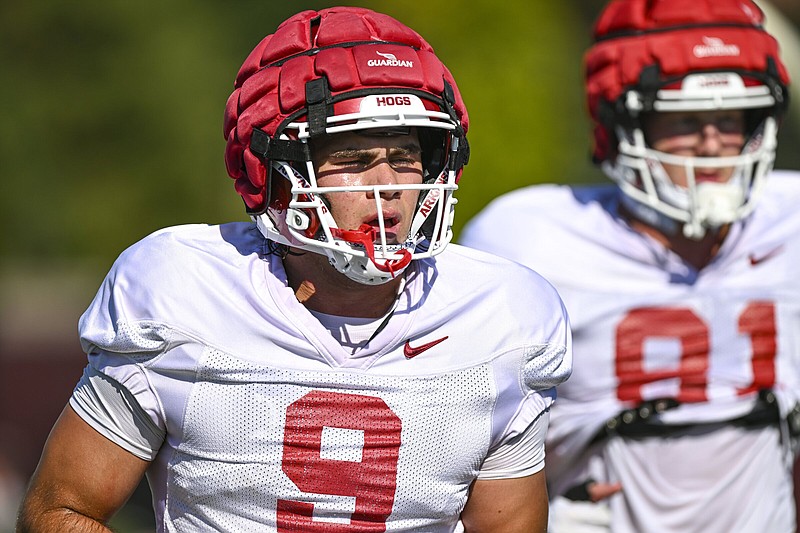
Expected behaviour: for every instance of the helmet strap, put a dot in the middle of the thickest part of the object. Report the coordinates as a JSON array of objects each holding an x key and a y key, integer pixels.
[{"x": 318, "y": 95}]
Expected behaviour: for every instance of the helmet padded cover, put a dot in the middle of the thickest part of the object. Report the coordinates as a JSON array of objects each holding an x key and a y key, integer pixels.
[
  {"x": 335, "y": 43},
  {"x": 680, "y": 37}
]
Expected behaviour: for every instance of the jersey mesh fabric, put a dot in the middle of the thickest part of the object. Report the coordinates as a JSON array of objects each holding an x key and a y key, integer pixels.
[
  {"x": 271, "y": 424},
  {"x": 235, "y": 422},
  {"x": 647, "y": 325}
]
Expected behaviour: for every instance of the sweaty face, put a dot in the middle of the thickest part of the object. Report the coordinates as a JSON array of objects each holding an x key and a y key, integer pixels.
[
  {"x": 358, "y": 159},
  {"x": 697, "y": 134}
]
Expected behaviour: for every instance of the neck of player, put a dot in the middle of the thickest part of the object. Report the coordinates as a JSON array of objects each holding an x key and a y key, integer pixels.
[
  {"x": 696, "y": 252},
  {"x": 320, "y": 287}
]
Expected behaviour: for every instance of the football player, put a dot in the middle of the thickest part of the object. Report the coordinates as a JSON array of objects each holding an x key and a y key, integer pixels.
[
  {"x": 333, "y": 365},
  {"x": 680, "y": 279}
]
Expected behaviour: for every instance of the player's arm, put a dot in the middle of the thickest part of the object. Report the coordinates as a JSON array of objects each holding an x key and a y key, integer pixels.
[
  {"x": 797, "y": 484},
  {"x": 513, "y": 505},
  {"x": 82, "y": 479},
  {"x": 510, "y": 494}
]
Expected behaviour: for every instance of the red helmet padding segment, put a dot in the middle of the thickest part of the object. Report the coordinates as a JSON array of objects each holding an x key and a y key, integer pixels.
[
  {"x": 631, "y": 35},
  {"x": 336, "y": 44}
]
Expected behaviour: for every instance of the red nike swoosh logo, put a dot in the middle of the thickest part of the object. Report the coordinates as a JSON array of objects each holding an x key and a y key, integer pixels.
[
  {"x": 410, "y": 351},
  {"x": 758, "y": 259}
]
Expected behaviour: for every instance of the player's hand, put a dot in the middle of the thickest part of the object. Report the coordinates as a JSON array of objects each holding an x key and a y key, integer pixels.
[
  {"x": 600, "y": 491},
  {"x": 592, "y": 491}
]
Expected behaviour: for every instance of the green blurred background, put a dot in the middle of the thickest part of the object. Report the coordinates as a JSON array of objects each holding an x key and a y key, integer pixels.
[{"x": 112, "y": 128}]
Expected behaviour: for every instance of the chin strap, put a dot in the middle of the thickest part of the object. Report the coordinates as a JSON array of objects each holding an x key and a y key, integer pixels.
[{"x": 365, "y": 236}]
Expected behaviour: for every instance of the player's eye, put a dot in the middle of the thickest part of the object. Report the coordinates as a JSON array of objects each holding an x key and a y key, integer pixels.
[
  {"x": 404, "y": 161},
  {"x": 352, "y": 162},
  {"x": 730, "y": 125}
]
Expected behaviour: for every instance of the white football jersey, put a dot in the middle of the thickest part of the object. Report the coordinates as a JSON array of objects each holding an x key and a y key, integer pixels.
[
  {"x": 648, "y": 326},
  {"x": 272, "y": 425}
]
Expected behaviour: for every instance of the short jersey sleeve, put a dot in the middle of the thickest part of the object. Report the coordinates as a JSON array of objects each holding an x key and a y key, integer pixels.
[
  {"x": 520, "y": 456},
  {"x": 113, "y": 411}
]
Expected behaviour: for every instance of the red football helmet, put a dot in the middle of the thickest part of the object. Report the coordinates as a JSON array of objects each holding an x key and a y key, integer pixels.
[
  {"x": 336, "y": 70},
  {"x": 684, "y": 55}
]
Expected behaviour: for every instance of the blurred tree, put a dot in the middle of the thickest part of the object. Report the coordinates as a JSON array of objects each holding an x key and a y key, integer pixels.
[
  {"x": 112, "y": 122},
  {"x": 112, "y": 119}
]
